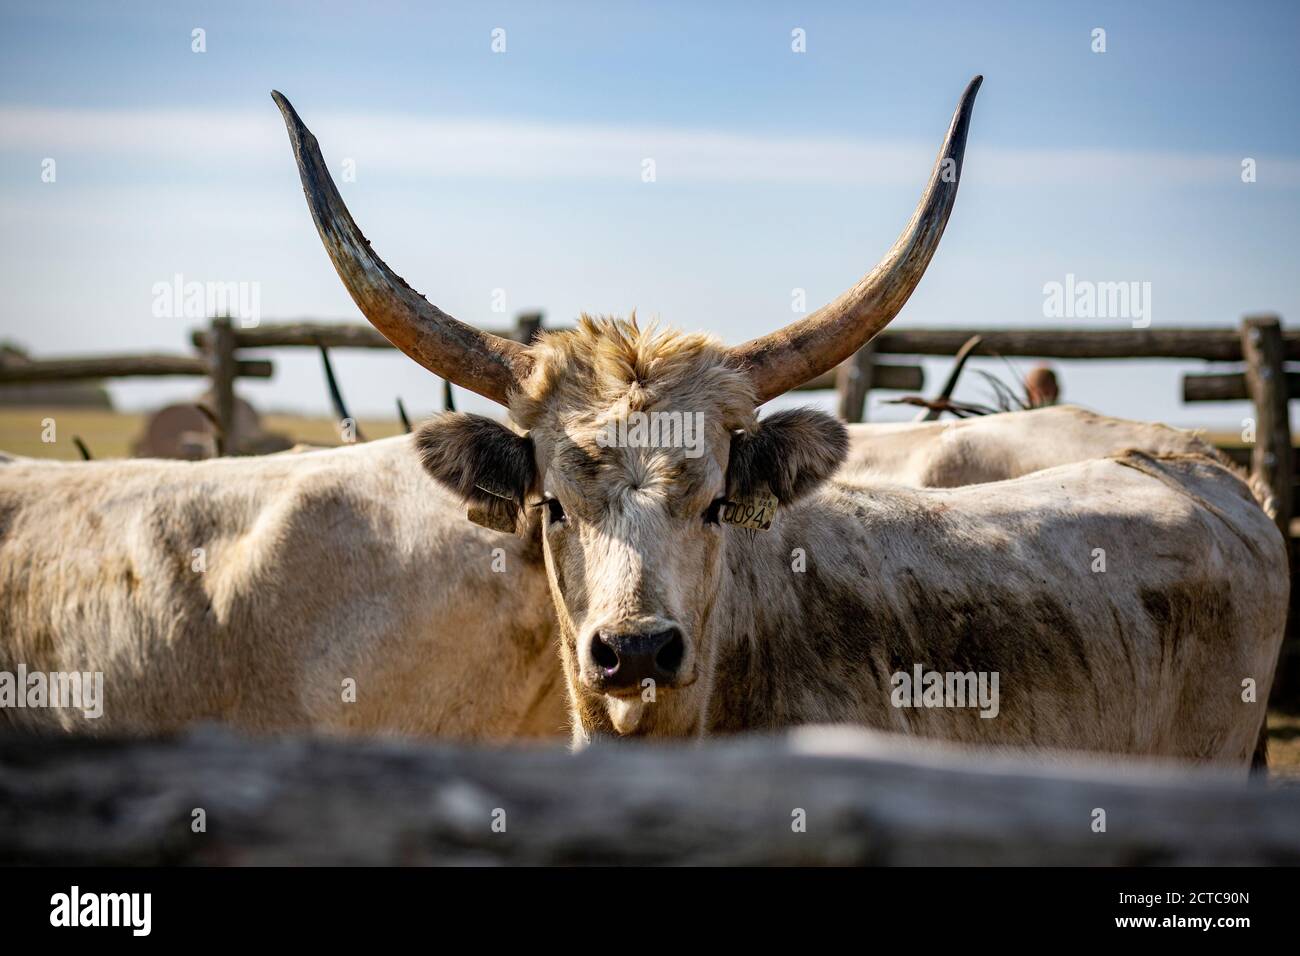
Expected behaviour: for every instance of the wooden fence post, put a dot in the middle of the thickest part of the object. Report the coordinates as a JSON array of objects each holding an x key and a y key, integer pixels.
[
  {"x": 527, "y": 325},
  {"x": 1272, "y": 459},
  {"x": 853, "y": 382},
  {"x": 221, "y": 356}
]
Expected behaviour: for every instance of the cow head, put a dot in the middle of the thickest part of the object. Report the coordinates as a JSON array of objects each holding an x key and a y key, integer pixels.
[
  {"x": 633, "y": 441},
  {"x": 634, "y": 448}
]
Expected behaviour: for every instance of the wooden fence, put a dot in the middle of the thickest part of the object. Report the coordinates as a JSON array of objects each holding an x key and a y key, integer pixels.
[
  {"x": 219, "y": 365},
  {"x": 852, "y": 380},
  {"x": 815, "y": 796},
  {"x": 1260, "y": 345}
]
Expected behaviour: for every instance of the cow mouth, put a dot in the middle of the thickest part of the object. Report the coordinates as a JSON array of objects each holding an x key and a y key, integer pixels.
[
  {"x": 628, "y": 716},
  {"x": 634, "y": 693}
]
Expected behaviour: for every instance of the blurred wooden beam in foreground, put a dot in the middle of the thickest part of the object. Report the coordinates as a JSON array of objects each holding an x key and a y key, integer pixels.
[{"x": 815, "y": 796}]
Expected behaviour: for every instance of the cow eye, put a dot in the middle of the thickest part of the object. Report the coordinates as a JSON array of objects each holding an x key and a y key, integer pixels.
[
  {"x": 554, "y": 510},
  {"x": 711, "y": 513}
]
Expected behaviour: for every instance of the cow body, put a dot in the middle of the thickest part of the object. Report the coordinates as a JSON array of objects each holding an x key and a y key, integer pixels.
[
  {"x": 1132, "y": 604},
  {"x": 997, "y": 447},
  {"x": 1123, "y": 603},
  {"x": 96, "y": 571},
  {"x": 318, "y": 568}
]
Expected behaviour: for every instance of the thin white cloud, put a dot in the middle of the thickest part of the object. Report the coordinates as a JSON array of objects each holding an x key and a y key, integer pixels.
[{"x": 498, "y": 148}]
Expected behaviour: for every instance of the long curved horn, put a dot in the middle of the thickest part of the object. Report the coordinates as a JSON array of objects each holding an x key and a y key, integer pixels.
[
  {"x": 477, "y": 360},
  {"x": 788, "y": 357}
]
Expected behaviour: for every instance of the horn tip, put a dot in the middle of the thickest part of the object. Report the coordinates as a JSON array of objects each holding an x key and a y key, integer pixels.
[{"x": 291, "y": 117}]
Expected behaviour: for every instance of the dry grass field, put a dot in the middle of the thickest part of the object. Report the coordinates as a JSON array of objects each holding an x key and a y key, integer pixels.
[{"x": 110, "y": 434}]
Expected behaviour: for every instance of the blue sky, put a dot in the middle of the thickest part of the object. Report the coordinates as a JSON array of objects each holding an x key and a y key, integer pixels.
[{"x": 521, "y": 171}]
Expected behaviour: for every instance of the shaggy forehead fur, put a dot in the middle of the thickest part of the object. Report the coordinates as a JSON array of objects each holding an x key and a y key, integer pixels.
[{"x": 607, "y": 367}]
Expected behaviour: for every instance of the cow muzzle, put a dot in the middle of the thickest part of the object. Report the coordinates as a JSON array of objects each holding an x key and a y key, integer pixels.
[{"x": 620, "y": 663}]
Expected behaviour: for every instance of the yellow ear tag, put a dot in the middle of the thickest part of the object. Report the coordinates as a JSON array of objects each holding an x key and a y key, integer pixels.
[{"x": 754, "y": 512}]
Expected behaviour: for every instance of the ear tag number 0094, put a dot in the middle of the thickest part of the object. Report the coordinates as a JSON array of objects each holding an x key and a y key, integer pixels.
[{"x": 754, "y": 512}]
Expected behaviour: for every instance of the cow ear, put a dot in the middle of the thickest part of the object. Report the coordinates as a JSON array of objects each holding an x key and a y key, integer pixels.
[
  {"x": 790, "y": 453},
  {"x": 481, "y": 460}
]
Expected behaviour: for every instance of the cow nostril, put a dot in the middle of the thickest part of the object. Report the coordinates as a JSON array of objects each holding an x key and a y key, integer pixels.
[
  {"x": 604, "y": 655},
  {"x": 625, "y": 661},
  {"x": 669, "y": 657}
]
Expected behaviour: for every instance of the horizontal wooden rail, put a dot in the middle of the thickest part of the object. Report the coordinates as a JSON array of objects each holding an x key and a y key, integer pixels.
[
  {"x": 1228, "y": 387},
  {"x": 309, "y": 334},
  {"x": 1216, "y": 344},
  {"x": 816, "y": 796},
  {"x": 356, "y": 335},
  {"x": 899, "y": 378},
  {"x": 119, "y": 366},
  {"x": 908, "y": 378},
  {"x": 330, "y": 334}
]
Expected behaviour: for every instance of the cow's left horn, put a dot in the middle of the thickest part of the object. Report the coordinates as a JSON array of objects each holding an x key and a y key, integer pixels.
[
  {"x": 801, "y": 351},
  {"x": 477, "y": 360}
]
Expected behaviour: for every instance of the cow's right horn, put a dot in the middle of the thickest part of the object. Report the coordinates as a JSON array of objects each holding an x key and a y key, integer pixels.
[
  {"x": 474, "y": 359},
  {"x": 798, "y": 353}
]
